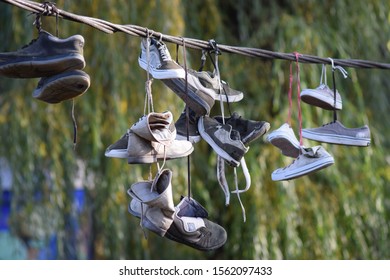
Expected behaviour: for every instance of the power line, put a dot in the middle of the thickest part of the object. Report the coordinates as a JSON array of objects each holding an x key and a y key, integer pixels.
[{"x": 48, "y": 9}]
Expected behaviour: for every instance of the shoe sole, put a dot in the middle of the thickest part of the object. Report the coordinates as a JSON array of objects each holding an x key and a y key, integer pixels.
[
  {"x": 223, "y": 98},
  {"x": 321, "y": 101},
  {"x": 43, "y": 67},
  {"x": 192, "y": 139},
  {"x": 117, "y": 153},
  {"x": 336, "y": 139},
  {"x": 223, "y": 154},
  {"x": 194, "y": 98},
  {"x": 63, "y": 88},
  {"x": 304, "y": 170},
  {"x": 285, "y": 144},
  {"x": 155, "y": 158},
  {"x": 162, "y": 74}
]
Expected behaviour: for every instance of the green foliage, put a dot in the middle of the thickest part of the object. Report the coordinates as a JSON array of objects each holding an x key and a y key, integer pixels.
[{"x": 341, "y": 212}]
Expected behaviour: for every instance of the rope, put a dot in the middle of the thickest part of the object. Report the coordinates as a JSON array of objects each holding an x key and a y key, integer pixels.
[{"x": 134, "y": 30}]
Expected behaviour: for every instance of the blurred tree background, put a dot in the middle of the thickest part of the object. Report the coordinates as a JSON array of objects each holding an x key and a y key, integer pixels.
[{"x": 341, "y": 212}]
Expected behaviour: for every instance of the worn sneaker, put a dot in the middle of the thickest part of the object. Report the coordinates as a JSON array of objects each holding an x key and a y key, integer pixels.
[
  {"x": 140, "y": 150},
  {"x": 161, "y": 65},
  {"x": 311, "y": 160},
  {"x": 223, "y": 139},
  {"x": 322, "y": 97},
  {"x": 181, "y": 127},
  {"x": 210, "y": 81},
  {"x": 284, "y": 139},
  {"x": 63, "y": 86},
  {"x": 119, "y": 148},
  {"x": 196, "y": 232},
  {"x": 45, "y": 56},
  {"x": 249, "y": 130},
  {"x": 197, "y": 97},
  {"x": 336, "y": 133}
]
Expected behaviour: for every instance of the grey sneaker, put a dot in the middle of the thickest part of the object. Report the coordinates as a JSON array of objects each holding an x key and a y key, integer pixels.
[
  {"x": 311, "y": 160},
  {"x": 181, "y": 127},
  {"x": 140, "y": 150},
  {"x": 197, "y": 97},
  {"x": 249, "y": 130},
  {"x": 209, "y": 80},
  {"x": 63, "y": 86},
  {"x": 322, "y": 97},
  {"x": 223, "y": 139},
  {"x": 119, "y": 148},
  {"x": 190, "y": 225},
  {"x": 284, "y": 138},
  {"x": 161, "y": 65},
  {"x": 45, "y": 56},
  {"x": 337, "y": 133},
  {"x": 196, "y": 232}
]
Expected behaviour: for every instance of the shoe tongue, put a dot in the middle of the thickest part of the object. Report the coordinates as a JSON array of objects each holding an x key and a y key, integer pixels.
[
  {"x": 191, "y": 224},
  {"x": 235, "y": 135},
  {"x": 189, "y": 207}
]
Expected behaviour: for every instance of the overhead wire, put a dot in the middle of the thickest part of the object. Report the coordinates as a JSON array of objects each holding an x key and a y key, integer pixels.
[{"x": 139, "y": 31}]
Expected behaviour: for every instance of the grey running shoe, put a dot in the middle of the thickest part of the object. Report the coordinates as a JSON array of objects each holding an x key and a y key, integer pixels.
[
  {"x": 63, "y": 86},
  {"x": 311, "y": 160},
  {"x": 284, "y": 139},
  {"x": 161, "y": 65},
  {"x": 140, "y": 150},
  {"x": 322, "y": 97},
  {"x": 249, "y": 130},
  {"x": 223, "y": 139},
  {"x": 119, "y": 148},
  {"x": 337, "y": 133},
  {"x": 181, "y": 127},
  {"x": 196, "y": 232},
  {"x": 210, "y": 81},
  {"x": 190, "y": 225},
  {"x": 45, "y": 56},
  {"x": 197, "y": 97}
]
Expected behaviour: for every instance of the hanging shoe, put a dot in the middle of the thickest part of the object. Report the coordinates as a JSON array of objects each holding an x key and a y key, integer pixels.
[
  {"x": 161, "y": 65},
  {"x": 181, "y": 127},
  {"x": 190, "y": 225},
  {"x": 336, "y": 133},
  {"x": 140, "y": 150},
  {"x": 249, "y": 130},
  {"x": 196, "y": 232},
  {"x": 45, "y": 56},
  {"x": 197, "y": 97},
  {"x": 210, "y": 81},
  {"x": 322, "y": 97},
  {"x": 63, "y": 86},
  {"x": 284, "y": 139},
  {"x": 223, "y": 139},
  {"x": 311, "y": 160},
  {"x": 156, "y": 127},
  {"x": 155, "y": 204}
]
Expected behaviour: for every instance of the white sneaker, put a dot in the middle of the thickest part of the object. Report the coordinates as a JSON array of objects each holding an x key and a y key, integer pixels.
[
  {"x": 284, "y": 138},
  {"x": 322, "y": 97},
  {"x": 311, "y": 160}
]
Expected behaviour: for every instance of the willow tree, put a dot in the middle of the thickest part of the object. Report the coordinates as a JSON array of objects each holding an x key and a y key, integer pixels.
[{"x": 339, "y": 212}]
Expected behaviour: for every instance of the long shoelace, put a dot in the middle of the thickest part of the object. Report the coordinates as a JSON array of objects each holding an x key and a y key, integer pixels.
[
  {"x": 299, "y": 98},
  {"x": 345, "y": 75}
]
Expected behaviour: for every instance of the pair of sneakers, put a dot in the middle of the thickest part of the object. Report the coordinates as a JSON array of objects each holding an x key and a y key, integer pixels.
[
  {"x": 149, "y": 140},
  {"x": 186, "y": 223},
  {"x": 202, "y": 88},
  {"x": 58, "y": 62},
  {"x": 229, "y": 137},
  {"x": 306, "y": 160},
  {"x": 334, "y": 132}
]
